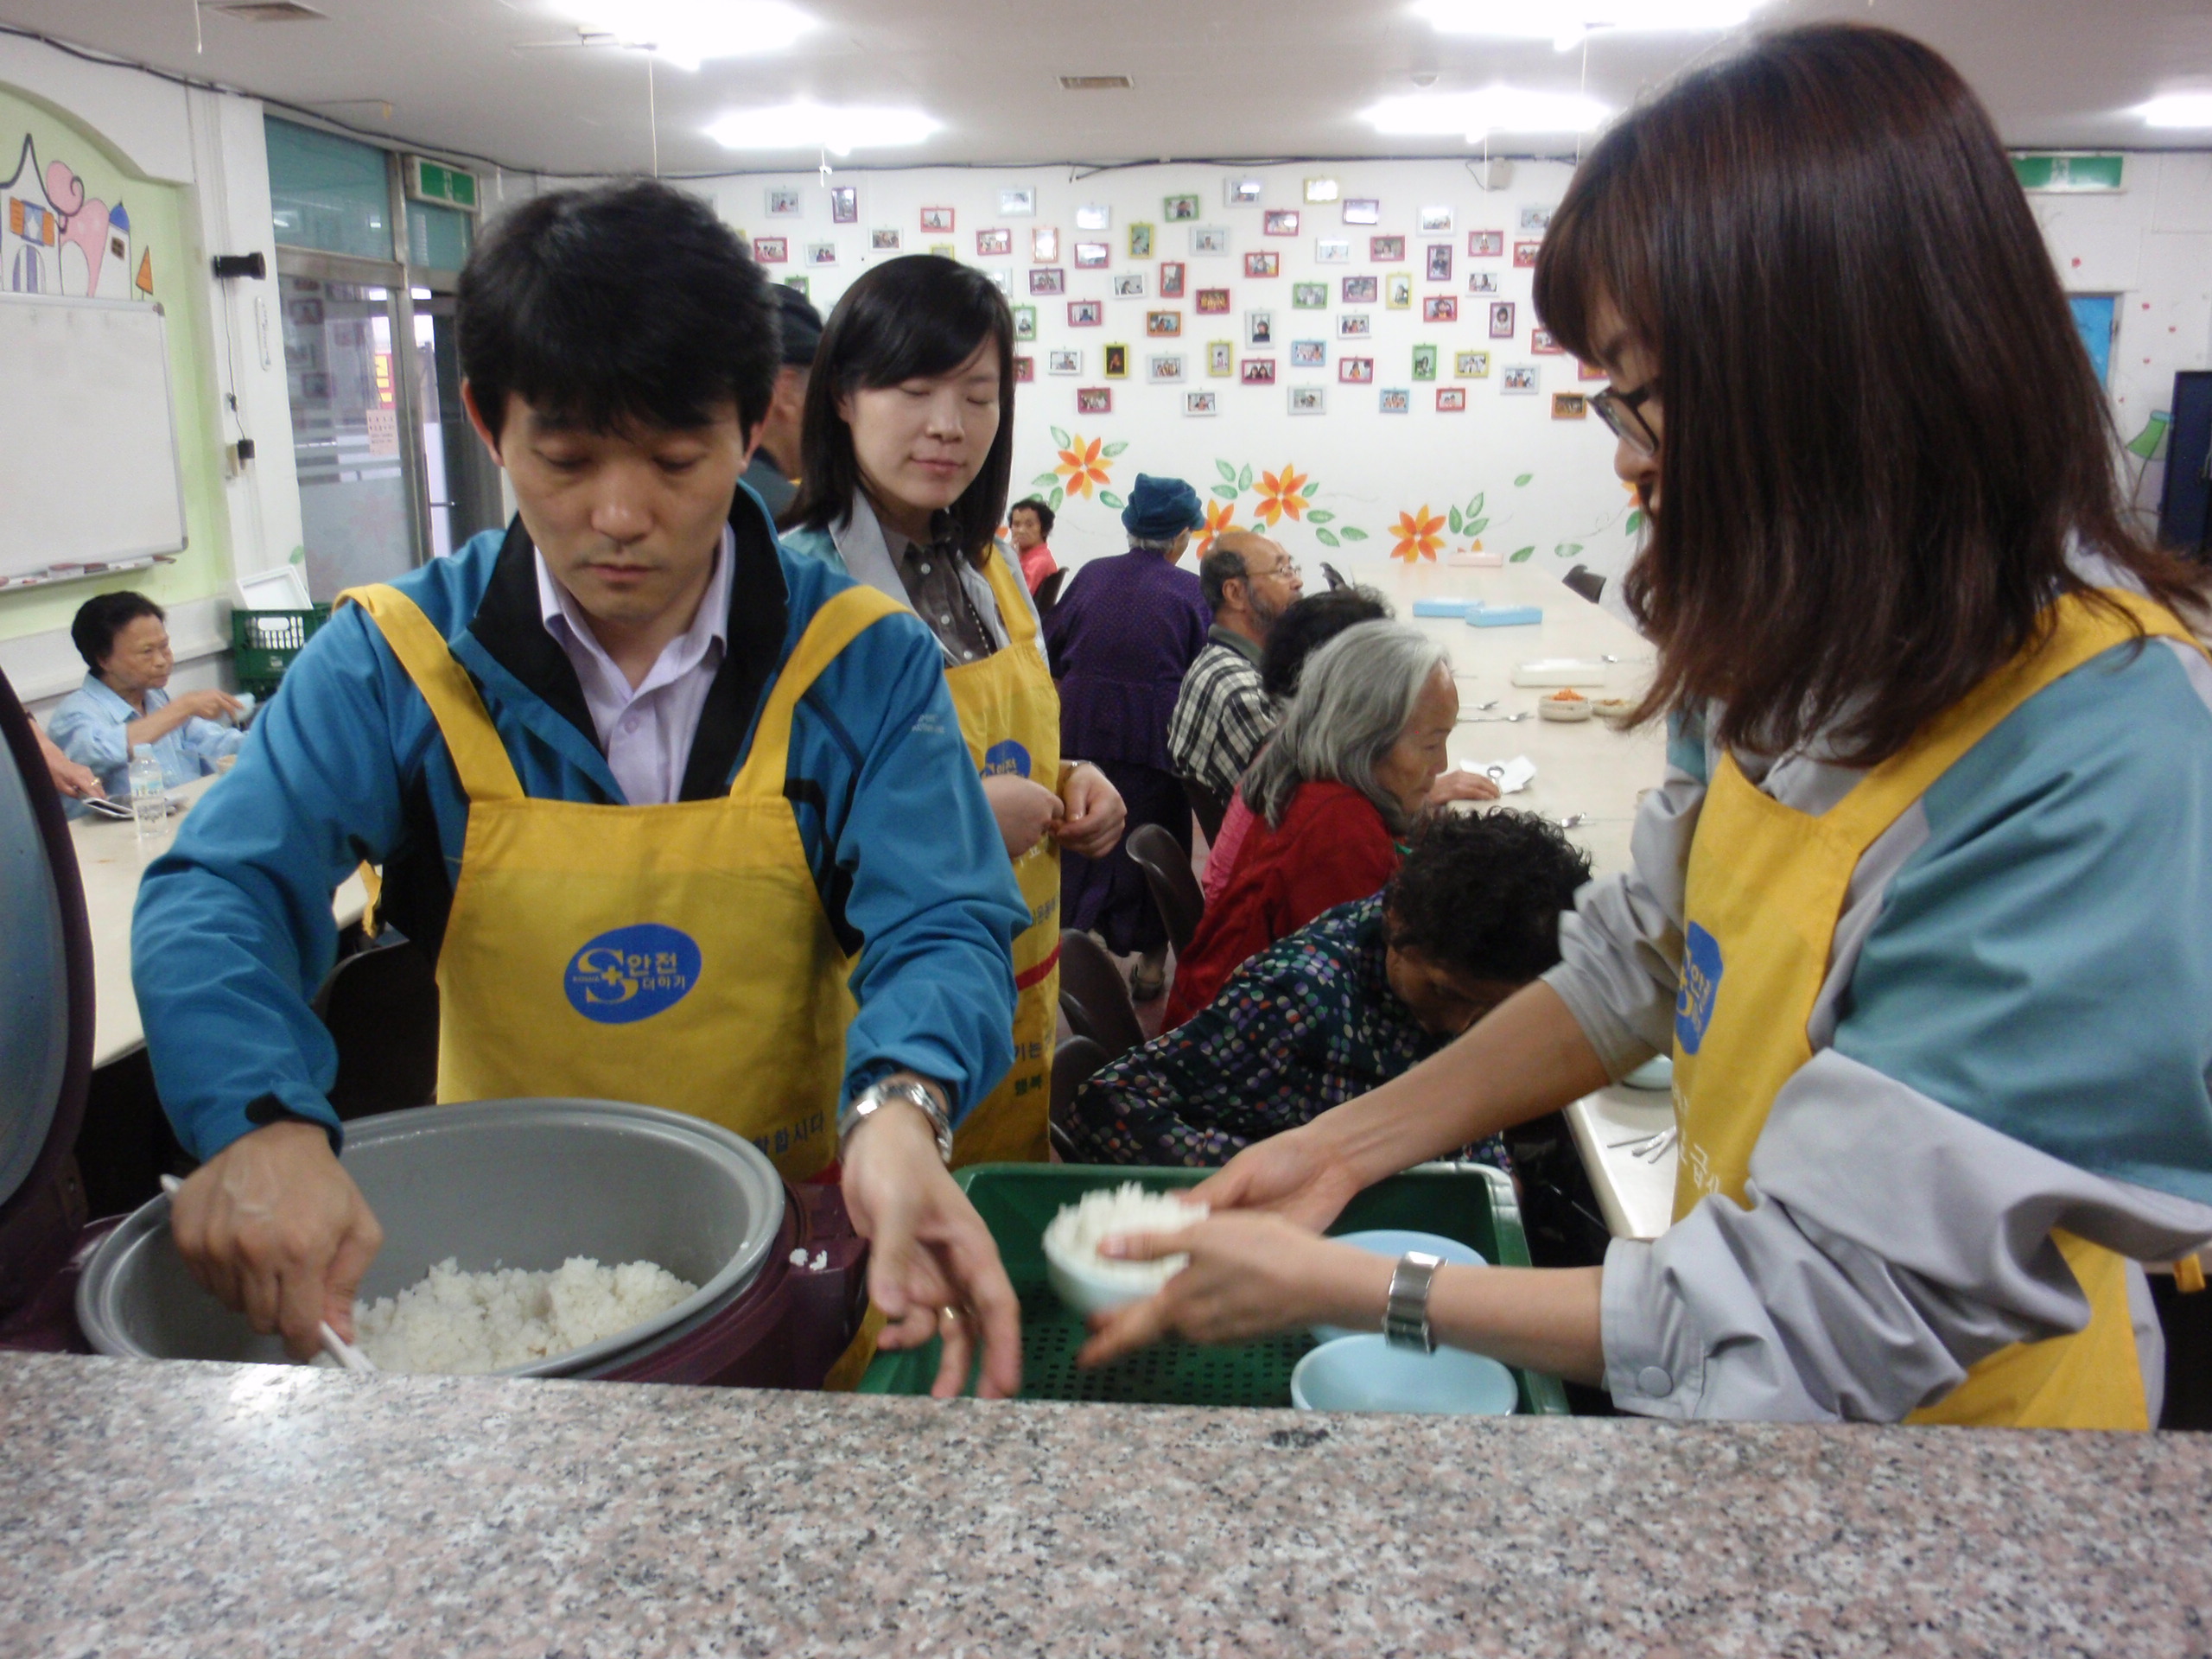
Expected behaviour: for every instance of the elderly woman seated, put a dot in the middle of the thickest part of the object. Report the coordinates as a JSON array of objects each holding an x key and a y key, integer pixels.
[
  {"x": 123, "y": 702},
  {"x": 1333, "y": 795},
  {"x": 1347, "y": 1002}
]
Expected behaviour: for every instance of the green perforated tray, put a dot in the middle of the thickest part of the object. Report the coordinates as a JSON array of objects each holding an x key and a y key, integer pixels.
[{"x": 1472, "y": 1202}]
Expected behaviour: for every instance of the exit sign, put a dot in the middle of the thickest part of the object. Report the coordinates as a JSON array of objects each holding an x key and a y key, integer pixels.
[
  {"x": 435, "y": 182},
  {"x": 2059, "y": 170}
]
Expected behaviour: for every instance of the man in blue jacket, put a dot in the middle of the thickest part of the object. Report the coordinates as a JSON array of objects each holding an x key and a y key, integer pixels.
[{"x": 684, "y": 820}]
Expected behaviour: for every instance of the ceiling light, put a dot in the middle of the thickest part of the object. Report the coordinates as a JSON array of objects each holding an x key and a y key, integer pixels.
[
  {"x": 814, "y": 126},
  {"x": 1476, "y": 115},
  {"x": 2177, "y": 109},
  {"x": 1568, "y": 22},
  {"x": 686, "y": 33},
  {"x": 1095, "y": 84}
]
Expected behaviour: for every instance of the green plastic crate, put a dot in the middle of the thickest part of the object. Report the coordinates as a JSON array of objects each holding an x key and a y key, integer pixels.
[
  {"x": 1472, "y": 1202},
  {"x": 263, "y": 643}
]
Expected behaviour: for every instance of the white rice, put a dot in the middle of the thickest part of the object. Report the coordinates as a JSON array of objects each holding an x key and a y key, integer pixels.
[
  {"x": 464, "y": 1324},
  {"x": 1077, "y": 1231}
]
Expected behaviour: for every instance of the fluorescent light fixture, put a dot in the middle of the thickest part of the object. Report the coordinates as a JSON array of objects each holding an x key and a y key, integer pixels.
[
  {"x": 1568, "y": 22},
  {"x": 1476, "y": 115},
  {"x": 806, "y": 125},
  {"x": 2177, "y": 109},
  {"x": 687, "y": 33}
]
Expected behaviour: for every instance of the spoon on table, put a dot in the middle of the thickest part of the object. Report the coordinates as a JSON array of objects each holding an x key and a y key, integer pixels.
[
  {"x": 336, "y": 1346},
  {"x": 1493, "y": 720}
]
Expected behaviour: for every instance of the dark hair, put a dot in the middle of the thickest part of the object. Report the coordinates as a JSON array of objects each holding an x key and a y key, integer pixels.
[
  {"x": 1215, "y": 571},
  {"x": 1481, "y": 892},
  {"x": 630, "y": 302},
  {"x": 1045, "y": 518},
  {"x": 905, "y": 319},
  {"x": 100, "y": 617},
  {"x": 1882, "y": 431},
  {"x": 1307, "y": 625}
]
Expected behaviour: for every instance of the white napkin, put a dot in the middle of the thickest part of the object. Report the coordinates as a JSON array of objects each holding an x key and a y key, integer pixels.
[{"x": 1513, "y": 776}]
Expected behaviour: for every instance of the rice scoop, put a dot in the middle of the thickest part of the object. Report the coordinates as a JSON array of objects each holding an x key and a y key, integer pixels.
[{"x": 1071, "y": 1241}]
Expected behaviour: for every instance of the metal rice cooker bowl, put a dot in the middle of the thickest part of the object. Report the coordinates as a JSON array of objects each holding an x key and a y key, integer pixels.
[{"x": 496, "y": 1183}]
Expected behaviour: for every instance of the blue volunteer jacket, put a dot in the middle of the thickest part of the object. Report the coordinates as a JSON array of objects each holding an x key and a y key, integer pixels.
[{"x": 233, "y": 931}]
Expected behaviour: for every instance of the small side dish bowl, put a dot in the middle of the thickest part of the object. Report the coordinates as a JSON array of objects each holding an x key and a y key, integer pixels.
[{"x": 1367, "y": 1374}]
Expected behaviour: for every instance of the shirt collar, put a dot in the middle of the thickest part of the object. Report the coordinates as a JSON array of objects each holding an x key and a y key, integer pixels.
[
  {"x": 112, "y": 702},
  {"x": 564, "y": 619},
  {"x": 1220, "y": 636}
]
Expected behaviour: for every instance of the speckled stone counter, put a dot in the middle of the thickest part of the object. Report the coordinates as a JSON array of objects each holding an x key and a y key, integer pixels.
[{"x": 187, "y": 1509}]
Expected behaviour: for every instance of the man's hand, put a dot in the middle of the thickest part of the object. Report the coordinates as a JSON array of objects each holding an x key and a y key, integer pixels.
[
  {"x": 1025, "y": 811},
  {"x": 274, "y": 1226},
  {"x": 209, "y": 704},
  {"x": 933, "y": 1268},
  {"x": 1096, "y": 813}
]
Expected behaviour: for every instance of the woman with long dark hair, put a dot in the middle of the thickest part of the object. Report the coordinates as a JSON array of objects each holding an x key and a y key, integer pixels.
[
  {"x": 1923, "y": 909},
  {"x": 906, "y": 446}
]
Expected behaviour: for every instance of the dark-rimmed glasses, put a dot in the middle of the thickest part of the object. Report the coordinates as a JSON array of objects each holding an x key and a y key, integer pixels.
[{"x": 1622, "y": 412}]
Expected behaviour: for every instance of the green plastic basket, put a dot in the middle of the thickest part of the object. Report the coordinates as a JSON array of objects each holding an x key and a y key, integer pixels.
[
  {"x": 263, "y": 643},
  {"x": 1472, "y": 1202}
]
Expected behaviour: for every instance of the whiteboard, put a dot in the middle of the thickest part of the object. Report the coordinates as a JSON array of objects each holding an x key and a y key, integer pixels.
[{"x": 89, "y": 470}]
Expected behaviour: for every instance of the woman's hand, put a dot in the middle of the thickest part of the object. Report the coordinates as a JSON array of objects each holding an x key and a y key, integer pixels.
[
  {"x": 1456, "y": 784},
  {"x": 1096, "y": 813},
  {"x": 1250, "y": 1275},
  {"x": 1025, "y": 811},
  {"x": 81, "y": 782},
  {"x": 933, "y": 1268},
  {"x": 1297, "y": 1175}
]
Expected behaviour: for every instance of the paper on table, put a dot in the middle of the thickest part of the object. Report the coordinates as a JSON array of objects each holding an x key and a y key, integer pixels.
[{"x": 1511, "y": 776}]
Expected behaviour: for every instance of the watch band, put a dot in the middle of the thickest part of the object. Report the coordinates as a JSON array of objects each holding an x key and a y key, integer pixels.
[
  {"x": 1405, "y": 1314},
  {"x": 874, "y": 1098}
]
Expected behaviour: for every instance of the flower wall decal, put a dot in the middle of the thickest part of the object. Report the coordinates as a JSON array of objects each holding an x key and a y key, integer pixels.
[
  {"x": 1221, "y": 519},
  {"x": 1083, "y": 470},
  {"x": 1283, "y": 495},
  {"x": 1418, "y": 535}
]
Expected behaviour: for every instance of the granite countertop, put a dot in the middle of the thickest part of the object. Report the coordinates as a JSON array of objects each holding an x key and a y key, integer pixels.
[{"x": 179, "y": 1508}]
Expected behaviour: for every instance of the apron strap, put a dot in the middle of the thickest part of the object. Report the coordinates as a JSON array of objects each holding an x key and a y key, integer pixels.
[
  {"x": 2080, "y": 629},
  {"x": 837, "y": 624},
  {"x": 486, "y": 772},
  {"x": 1014, "y": 599}
]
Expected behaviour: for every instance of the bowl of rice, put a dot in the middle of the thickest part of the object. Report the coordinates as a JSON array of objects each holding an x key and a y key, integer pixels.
[
  {"x": 522, "y": 1238},
  {"x": 1087, "y": 1282}
]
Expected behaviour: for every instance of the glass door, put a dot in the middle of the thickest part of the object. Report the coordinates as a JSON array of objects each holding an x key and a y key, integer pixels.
[{"x": 459, "y": 480}]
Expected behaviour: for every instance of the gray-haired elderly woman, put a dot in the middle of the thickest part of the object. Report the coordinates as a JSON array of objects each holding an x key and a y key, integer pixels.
[{"x": 1334, "y": 793}]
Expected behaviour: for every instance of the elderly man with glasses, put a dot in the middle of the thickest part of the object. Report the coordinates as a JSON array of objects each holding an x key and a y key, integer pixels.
[{"x": 1224, "y": 714}]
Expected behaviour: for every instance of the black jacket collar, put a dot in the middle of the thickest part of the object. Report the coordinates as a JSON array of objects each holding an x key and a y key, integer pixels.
[{"x": 509, "y": 625}]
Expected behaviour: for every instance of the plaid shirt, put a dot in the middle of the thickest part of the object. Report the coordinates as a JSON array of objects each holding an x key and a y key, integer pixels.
[{"x": 1222, "y": 716}]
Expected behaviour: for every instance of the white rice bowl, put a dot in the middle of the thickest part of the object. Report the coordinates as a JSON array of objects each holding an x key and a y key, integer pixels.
[
  {"x": 466, "y": 1323},
  {"x": 1090, "y": 1283}
]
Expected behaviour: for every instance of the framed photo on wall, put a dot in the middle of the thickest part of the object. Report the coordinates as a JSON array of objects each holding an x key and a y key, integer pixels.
[
  {"x": 1117, "y": 363},
  {"x": 1210, "y": 240},
  {"x": 1259, "y": 327},
  {"x": 1386, "y": 250},
  {"x": 771, "y": 250},
  {"x": 1141, "y": 241},
  {"x": 1129, "y": 285},
  {"x": 1362, "y": 290},
  {"x": 1093, "y": 216},
  {"x": 1355, "y": 370},
  {"x": 1179, "y": 210},
  {"x": 1309, "y": 353},
  {"x": 1433, "y": 219},
  {"x": 1525, "y": 255},
  {"x": 1085, "y": 314},
  {"x": 821, "y": 253},
  {"x": 1354, "y": 325},
  {"x": 1094, "y": 400},
  {"x": 1544, "y": 343},
  {"x": 937, "y": 218},
  {"x": 1471, "y": 365},
  {"x": 1024, "y": 368},
  {"x": 1025, "y": 322},
  {"x": 1048, "y": 279},
  {"x": 782, "y": 201},
  {"x": 1396, "y": 400},
  {"x": 1440, "y": 262},
  {"x": 1213, "y": 302},
  {"x": 1263, "y": 264},
  {"x": 1170, "y": 279},
  {"x": 1220, "y": 357},
  {"x": 1519, "y": 381},
  {"x": 1424, "y": 362},
  {"x": 1163, "y": 325},
  {"x": 1501, "y": 320},
  {"x": 1064, "y": 362},
  {"x": 1257, "y": 371},
  {"x": 1092, "y": 256},
  {"x": 1045, "y": 245},
  {"x": 1451, "y": 400},
  {"x": 1440, "y": 307},
  {"x": 1484, "y": 282},
  {"x": 1164, "y": 367},
  {"x": 1018, "y": 204},
  {"x": 1279, "y": 221},
  {"x": 1309, "y": 400},
  {"x": 1309, "y": 296},
  {"x": 1398, "y": 291},
  {"x": 1569, "y": 406},
  {"x": 994, "y": 244},
  {"x": 886, "y": 239},
  {"x": 1486, "y": 245},
  {"x": 845, "y": 205},
  {"x": 1201, "y": 403},
  {"x": 1362, "y": 210},
  {"x": 1331, "y": 251}
]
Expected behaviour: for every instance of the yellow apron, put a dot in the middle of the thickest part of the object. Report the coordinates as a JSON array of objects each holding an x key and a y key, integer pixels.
[
  {"x": 1766, "y": 889},
  {"x": 1009, "y": 714},
  {"x": 676, "y": 956}
]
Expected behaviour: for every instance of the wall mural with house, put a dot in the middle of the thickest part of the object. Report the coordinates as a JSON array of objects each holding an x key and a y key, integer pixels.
[{"x": 55, "y": 238}]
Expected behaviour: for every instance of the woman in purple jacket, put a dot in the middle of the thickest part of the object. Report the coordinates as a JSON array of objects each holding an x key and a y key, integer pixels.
[{"x": 1122, "y": 639}]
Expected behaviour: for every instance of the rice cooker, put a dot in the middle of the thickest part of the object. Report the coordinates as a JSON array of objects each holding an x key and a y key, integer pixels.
[{"x": 780, "y": 1270}]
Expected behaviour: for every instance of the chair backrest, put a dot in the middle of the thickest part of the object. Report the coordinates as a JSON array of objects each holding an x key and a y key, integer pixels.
[
  {"x": 1095, "y": 997},
  {"x": 381, "y": 1007},
  {"x": 1175, "y": 890},
  {"x": 1584, "y": 582},
  {"x": 1209, "y": 807},
  {"x": 1048, "y": 591},
  {"x": 1074, "y": 1063}
]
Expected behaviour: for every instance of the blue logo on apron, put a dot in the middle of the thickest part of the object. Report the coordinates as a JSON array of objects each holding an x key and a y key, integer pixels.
[
  {"x": 632, "y": 973},
  {"x": 1006, "y": 760},
  {"x": 1701, "y": 984}
]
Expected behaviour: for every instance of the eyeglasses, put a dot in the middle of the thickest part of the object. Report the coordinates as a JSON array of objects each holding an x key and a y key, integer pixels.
[
  {"x": 1287, "y": 567},
  {"x": 1622, "y": 412}
]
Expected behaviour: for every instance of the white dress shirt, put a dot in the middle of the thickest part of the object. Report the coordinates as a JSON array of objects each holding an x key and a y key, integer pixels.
[{"x": 645, "y": 733}]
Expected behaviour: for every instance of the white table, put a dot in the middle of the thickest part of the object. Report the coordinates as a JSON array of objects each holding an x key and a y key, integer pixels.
[
  {"x": 1584, "y": 767},
  {"x": 110, "y": 863}
]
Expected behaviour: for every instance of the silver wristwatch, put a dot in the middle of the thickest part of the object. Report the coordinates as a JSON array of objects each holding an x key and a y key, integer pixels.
[
  {"x": 874, "y": 1098},
  {"x": 1405, "y": 1315}
]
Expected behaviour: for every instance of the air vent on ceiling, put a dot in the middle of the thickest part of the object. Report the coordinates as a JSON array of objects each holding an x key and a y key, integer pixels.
[
  {"x": 270, "y": 11},
  {"x": 1095, "y": 83}
]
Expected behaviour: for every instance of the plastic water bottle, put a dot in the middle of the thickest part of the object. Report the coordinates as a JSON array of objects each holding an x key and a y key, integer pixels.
[{"x": 150, "y": 794}]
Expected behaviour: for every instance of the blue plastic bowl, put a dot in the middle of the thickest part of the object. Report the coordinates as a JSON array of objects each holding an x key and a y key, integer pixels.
[
  {"x": 1394, "y": 1242},
  {"x": 1367, "y": 1374},
  {"x": 1657, "y": 1072}
]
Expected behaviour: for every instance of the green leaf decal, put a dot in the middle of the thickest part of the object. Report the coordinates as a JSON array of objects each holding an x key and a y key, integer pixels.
[
  {"x": 1108, "y": 498},
  {"x": 1226, "y": 492},
  {"x": 1456, "y": 521},
  {"x": 1352, "y": 535},
  {"x": 1062, "y": 439},
  {"x": 1568, "y": 549},
  {"x": 1476, "y": 526},
  {"x": 1228, "y": 473},
  {"x": 1522, "y": 482},
  {"x": 1055, "y": 502},
  {"x": 1520, "y": 555},
  {"x": 1244, "y": 478},
  {"x": 1320, "y": 516},
  {"x": 1045, "y": 480},
  {"x": 1475, "y": 506},
  {"x": 1115, "y": 448},
  {"x": 1311, "y": 491},
  {"x": 1635, "y": 520},
  {"x": 1327, "y": 538}
]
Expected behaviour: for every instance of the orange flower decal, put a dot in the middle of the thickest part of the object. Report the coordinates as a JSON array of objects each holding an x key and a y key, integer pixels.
[
  {"x": 1221, "y": 519},
  {"x": 1279, "y": 496},
  {"x": 1417, "y": 536},
  {"x": 1081, "y": 467}
]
